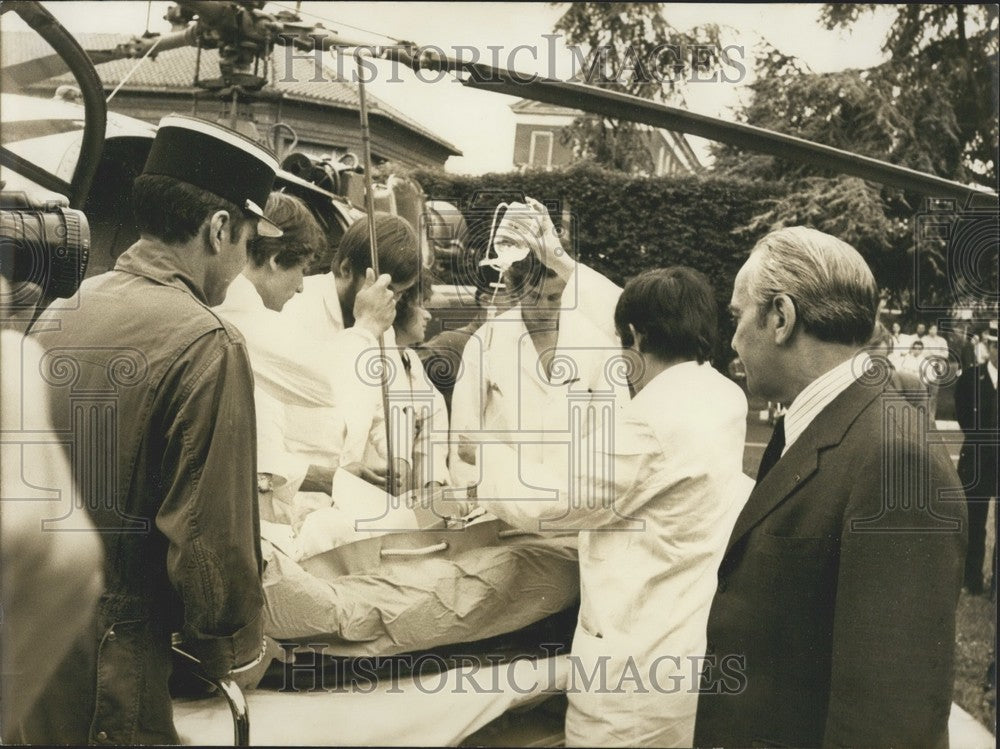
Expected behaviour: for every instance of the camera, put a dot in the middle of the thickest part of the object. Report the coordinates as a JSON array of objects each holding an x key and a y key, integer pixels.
[{"x": 45, "y": 244}]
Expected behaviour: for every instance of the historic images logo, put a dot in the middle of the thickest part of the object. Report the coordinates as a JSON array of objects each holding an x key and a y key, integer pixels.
[{"x": 602, "y": 66}]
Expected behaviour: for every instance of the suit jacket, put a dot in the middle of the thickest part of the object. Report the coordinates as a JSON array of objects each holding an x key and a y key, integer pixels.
[
  {"x": 834, "y": 618},
  {"x": 976, "y": 411}
]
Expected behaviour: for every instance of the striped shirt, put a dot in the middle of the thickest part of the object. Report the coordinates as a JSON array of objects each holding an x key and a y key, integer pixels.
[{"x": 818, "y": 394}]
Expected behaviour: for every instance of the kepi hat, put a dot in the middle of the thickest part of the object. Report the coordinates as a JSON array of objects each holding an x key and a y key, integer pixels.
[{"x": 218, "y": 160}]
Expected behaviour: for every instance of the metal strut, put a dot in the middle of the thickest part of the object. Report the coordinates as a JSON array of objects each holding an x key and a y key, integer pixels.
[{"x": 366, "y": 143}]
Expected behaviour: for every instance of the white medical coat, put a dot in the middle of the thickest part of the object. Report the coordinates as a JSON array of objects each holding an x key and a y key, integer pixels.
[
  {"x": 502, "y": 393},
  {"x": 668, "y": 489},
  {"x": 301, "y": 418},
  {"x": 413, "y": 400}
]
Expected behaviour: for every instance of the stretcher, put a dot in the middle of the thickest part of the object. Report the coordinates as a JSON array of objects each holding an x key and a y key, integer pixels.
[
  {"x": 439, "y": 709},
  {"x": 421, "y": 637}
]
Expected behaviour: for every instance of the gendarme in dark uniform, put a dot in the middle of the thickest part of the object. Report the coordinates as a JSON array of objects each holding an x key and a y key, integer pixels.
[{"x": 156, "y": 392}]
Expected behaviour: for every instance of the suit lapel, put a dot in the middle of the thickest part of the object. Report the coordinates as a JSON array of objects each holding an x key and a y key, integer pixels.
[{"x": 802, "y": 458}]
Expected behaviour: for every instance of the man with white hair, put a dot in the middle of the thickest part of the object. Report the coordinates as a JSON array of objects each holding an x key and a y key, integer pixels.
[{"x": 837, "y": 591}]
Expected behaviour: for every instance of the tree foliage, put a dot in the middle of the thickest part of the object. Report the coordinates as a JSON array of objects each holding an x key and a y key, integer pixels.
[
  {"x": 932, "y": 106},
  {"x": 631, "y": 48}
]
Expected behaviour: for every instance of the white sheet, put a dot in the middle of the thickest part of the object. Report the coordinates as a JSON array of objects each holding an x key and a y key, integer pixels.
[{"x": 435, "y": 710}]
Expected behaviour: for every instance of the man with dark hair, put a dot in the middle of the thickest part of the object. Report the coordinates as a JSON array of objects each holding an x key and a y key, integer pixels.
[
  {"x": 156, "y": 393},
  {"x": 834, "y": 619},
  {"x": 330, "y": 304},
  {"x": 654, "y": 505},
  {"x": 673, "y": 310},
  {"x": 326, "y": 304},
  {"x": 978, "y": 465},
  {"x": 272, "y": 276}
]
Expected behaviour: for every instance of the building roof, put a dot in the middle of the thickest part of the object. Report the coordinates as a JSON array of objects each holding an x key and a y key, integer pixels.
[
  {"x": 530, "y": 106},
  {"x": 292, "y": 74}
]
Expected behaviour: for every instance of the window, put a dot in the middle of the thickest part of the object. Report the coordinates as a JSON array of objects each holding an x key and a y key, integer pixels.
[{"x": 540, "y": 153}]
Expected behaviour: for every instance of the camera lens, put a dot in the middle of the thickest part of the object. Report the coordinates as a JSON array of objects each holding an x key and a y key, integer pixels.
[{"x": 49, "y": 248}]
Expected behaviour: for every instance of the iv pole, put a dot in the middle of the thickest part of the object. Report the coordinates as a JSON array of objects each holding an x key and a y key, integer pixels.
[{"x": 366, "y": 142}]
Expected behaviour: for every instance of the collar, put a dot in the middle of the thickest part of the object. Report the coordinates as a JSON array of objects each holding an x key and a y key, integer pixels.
[
  {"x": 818, "y": 394},
  {"x": 331, "y": 299},
  {"x": 155, "y": 261},
  {"x": 672, "y": 377},
  {"x": 242, "y": 296}
]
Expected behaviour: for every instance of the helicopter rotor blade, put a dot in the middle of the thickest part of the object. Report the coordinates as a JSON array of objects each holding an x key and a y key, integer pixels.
[
  {"x": 617, "y": 105},
  {"x": 592, "y": 99}
]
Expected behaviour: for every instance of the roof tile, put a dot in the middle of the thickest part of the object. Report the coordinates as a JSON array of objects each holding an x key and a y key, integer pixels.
[{"x": 174, "y": 69}]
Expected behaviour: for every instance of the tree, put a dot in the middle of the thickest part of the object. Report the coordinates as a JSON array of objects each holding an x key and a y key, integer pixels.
[
  {"x": 632, "y": 48},
  {"x": 931, "y": 106}
]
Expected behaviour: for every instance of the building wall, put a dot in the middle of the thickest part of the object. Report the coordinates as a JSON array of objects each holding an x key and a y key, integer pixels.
[
  {"x": 548, "y": 150},
  {"x": 665, "y": 159}
]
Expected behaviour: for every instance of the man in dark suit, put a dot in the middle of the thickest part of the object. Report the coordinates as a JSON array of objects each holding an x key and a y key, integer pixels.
[
  {"x": 976, "y": 410},
  {"x": 834, "y": 618}
]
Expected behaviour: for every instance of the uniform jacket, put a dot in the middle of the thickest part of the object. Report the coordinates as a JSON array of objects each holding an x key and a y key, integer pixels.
[
  {"x": 834, "y": 619},
  {"x": 654, "y": 505},
  {"x": 154, "y": 395}
]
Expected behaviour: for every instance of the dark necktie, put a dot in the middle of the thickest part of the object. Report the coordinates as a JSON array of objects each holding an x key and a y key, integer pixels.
[{"x": 772, "y": 453}]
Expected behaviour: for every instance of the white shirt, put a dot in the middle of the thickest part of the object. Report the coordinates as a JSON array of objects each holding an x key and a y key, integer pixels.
[
  {"x": 818, "y": 394},
  {"x": 935, "y": 345},
  {"x": 992, "y": 372},
  {"x": 264, "y": 334},
  {"x": 656, "y": 504},
  {"x": 318, "y": 306}
]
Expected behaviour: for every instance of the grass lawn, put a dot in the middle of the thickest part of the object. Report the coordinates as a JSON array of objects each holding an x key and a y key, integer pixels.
[
  {"x": 974, "y": 642},
  {"x": 973, "y": 645}
]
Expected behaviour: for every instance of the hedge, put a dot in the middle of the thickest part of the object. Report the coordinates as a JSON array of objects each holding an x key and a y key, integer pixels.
[{"x": 622, "y": 225}]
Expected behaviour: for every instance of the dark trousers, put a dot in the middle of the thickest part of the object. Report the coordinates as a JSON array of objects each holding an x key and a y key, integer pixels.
[
  {"x": 978, "y": 510},
  {"x": 978, "y": 472}
]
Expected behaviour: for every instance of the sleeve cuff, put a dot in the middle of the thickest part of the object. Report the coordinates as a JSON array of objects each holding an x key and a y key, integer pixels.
[{"x": 220, "y": 655}]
